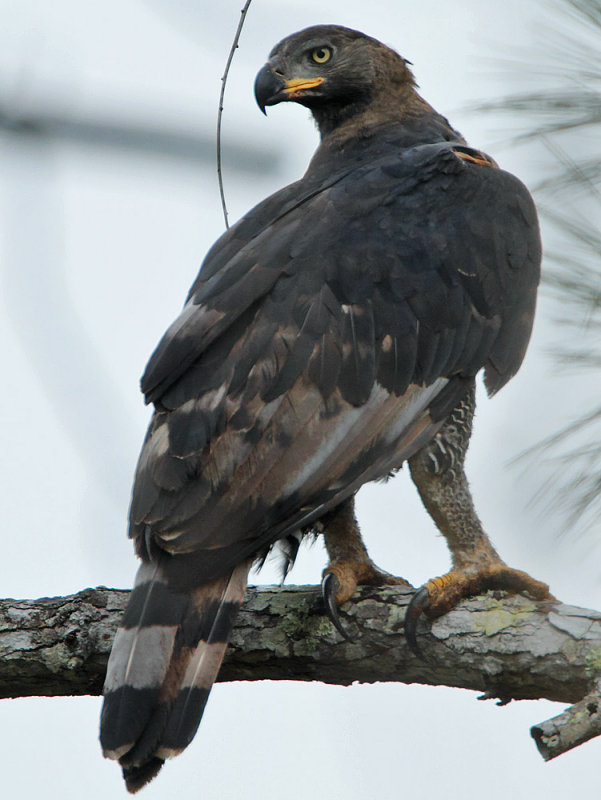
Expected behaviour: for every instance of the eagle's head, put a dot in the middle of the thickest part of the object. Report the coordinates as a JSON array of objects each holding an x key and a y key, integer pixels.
[{"x": 336, "y": 72}]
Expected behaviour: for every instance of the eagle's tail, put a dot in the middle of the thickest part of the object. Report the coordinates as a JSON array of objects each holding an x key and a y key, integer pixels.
[{"x": 164, "y": 661}]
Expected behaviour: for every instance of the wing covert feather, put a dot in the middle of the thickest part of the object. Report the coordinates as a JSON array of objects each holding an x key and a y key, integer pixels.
[{"x": 318, "y": 329}]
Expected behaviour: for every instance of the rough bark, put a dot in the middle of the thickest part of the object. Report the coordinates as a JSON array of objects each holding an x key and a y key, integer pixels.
[{"x": 505, "y": 647}]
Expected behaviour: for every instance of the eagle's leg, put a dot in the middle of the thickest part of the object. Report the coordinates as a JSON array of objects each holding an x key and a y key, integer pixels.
[
  {"x": 350, "y": 565},
  {"x": 438, "y": 472}
]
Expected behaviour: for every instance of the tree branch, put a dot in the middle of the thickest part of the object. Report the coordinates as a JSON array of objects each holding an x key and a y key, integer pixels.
[{"x": 505, "y": 647}]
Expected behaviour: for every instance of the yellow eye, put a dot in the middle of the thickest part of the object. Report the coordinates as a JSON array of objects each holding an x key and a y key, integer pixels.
[{"x": 321, "y": 54}]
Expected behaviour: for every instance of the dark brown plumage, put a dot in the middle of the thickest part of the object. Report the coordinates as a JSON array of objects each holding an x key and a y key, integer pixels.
[{"x": 328, "y": 338}]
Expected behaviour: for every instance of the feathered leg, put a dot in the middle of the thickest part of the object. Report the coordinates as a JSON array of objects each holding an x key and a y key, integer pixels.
[
  {"x": 165, "y": 659},
  {"x": 438, "y": 472},
  {"x": 350, "y": 565}
]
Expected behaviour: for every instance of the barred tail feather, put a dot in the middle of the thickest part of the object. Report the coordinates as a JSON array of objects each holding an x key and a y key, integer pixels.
[{"x": 165, "y": 659}]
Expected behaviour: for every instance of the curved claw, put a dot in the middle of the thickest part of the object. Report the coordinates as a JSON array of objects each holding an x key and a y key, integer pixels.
[
  {"x": 418, "y": 604},
  {"x": 329, "y": 587}
]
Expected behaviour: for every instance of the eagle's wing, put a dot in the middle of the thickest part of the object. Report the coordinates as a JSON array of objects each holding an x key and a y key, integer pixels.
[{"x": 325, "y": 340}]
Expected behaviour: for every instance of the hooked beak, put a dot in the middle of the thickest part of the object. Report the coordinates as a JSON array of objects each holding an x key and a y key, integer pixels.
[{"x": 271, "y": 88}]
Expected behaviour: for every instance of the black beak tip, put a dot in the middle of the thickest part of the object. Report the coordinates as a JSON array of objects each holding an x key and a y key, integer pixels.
[{"x": 268, "y": 87}]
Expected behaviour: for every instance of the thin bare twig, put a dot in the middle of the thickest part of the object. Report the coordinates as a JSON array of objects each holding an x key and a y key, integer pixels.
[{"x": 233, "y": 49}]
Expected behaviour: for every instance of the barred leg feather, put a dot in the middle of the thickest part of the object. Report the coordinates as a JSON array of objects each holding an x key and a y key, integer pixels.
[{"x": 165, "y": 659}]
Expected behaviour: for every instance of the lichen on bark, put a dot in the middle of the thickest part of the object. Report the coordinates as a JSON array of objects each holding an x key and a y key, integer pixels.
[{"x": 508, "y": 647}]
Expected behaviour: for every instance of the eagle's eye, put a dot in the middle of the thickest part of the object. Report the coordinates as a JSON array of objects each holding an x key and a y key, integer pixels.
[{"x": 321, "y": 54}]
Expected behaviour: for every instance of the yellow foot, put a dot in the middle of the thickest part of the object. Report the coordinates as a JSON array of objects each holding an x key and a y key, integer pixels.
[
  {"x": 340, "y": 580},
  {"x": 440, "y": 595},
  {"x": 350, "y": 574}
]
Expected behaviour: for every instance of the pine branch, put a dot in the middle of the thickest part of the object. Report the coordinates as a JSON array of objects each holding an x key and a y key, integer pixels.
[{"x": 505, "y": 647}]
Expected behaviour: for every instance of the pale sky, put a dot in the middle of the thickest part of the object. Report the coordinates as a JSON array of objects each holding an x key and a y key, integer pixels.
[{"x": 99, "y": 248}]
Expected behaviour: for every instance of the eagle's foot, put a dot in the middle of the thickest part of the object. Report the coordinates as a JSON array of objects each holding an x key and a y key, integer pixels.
[
  {"x": 350, "y": 565},
  {"x": 350, "y": 574},
  {"x": 340, "y": 581},
  {"x": 440, "y": 595}
]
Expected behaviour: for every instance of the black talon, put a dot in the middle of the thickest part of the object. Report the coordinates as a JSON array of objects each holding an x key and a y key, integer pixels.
[
  {"x": 419, "y": 602},
  {"x": 329, "y": 587}
]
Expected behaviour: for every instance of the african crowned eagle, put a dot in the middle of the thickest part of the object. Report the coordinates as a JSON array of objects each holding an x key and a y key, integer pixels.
[{"x": 332, "y": 334}]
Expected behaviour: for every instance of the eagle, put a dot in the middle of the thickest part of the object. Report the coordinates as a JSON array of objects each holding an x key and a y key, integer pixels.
[{"x": 332, "y": 334}]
